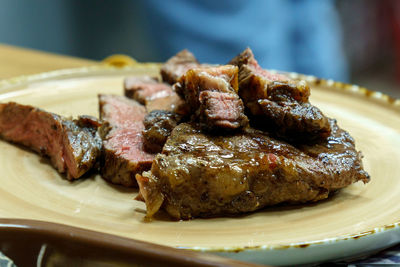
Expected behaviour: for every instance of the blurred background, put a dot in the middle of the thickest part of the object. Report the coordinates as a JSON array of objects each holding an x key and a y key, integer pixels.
[{"x": 352, "y": 41}]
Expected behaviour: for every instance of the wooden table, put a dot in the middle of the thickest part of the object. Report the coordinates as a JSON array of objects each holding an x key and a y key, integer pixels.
[{"x": 15, "y": 61}]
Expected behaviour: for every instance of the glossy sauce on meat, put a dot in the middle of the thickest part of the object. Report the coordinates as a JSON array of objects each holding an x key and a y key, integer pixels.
[
  {"x": 217, "y": 164},
  {"x": 202, "y": 175},
  {"x": 158, "y": 127}
]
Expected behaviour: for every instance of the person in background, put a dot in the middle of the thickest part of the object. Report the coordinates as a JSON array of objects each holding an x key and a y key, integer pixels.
[{"x": 292, "y": 35}]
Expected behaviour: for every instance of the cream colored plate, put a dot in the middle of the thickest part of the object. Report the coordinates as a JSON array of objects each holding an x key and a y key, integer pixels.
[{"x": 358, "y": 219}]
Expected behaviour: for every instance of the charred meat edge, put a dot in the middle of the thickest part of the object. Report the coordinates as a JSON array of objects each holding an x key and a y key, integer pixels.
[
  {"x": 123, "y": 153},
  {"x": 202, "y": 175},
  {"x": 73, "y": 146}
]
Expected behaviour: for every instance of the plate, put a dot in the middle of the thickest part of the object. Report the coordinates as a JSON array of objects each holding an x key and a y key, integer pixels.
[{"x": 357, "y": 220}]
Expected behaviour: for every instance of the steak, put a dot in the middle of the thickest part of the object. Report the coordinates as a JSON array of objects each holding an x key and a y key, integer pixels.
[
  {"x": 203, "y": 175},
  {"x": 153, "y": 94},
  {"x": 178, "y": 65},
  {"x": 211, "y": 94},
  {"x": 123, "y": 153},
  {"x": 171, "y": 102},
  {"x": 278, "y": 104},
  {"x": 73, "y": 146},
  {"x": 158, "y": 126},
  {"x": 222, "y": 110},
  {"x": 145, "y": 88}
]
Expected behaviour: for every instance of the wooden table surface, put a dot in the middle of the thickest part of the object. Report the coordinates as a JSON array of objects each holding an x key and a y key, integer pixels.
[{"x": 16, "y": 61}]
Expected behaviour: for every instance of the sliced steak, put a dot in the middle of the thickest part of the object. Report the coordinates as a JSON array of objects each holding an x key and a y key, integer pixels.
[
  {"x": 158, "y": 126},
  {"x": 277, "y": 103},
  {"x": 201, "y": 175},
  {"x": 145, "y": 88},
  {"x": 123, "y": 152},
  {"x": 211, "y": 93},
  {"x": 73, "y": 146},
  {"x": 172, "y": 102},
  {"x": 132, "y": 83},
  {"x": 153, "y": 94},
  {"x": 178, "y": 65}
]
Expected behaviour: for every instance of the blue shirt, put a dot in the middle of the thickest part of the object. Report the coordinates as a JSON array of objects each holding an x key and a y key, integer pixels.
[{"x": 290, "y": 35}]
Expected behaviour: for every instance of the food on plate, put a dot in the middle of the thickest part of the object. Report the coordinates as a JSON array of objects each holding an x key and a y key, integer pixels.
[
  {"x": 279, "y": 104},
  {"x": 290, "y": 153},
  {"x": 73, "y": 146},
  {"x": 158, "y": 127},
  {"x": 152, "y": 93},
  {"x": 144, "y": 89},
  {"x": 123, "y": 152},
  {"x": 178, "y": 65},
  {"x": 211, "y": 95},
  {"x": 210, "y": 140},
  {"x": 201, "y": 175}
]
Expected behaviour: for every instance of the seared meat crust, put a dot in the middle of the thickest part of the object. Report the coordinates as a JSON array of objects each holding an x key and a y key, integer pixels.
[
  {"x": 278, "y": 104},
  {"x": 123, "y": 153},
  {"x": 211, "y": 94},
  {"x": 158, "y": 126},
  {"x": 178, "y": 65},
  {"x": 73, "y": 146},
  {"x": 202, "y": 175}
]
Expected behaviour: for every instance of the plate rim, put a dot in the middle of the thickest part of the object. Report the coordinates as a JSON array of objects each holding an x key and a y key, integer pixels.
[
  {"x": 10, "y": 83},
  {"x": 42, "y": 234}
]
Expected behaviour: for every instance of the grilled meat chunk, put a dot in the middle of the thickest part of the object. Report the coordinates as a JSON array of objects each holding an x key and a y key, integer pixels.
[
  {"x": 178, "y": 65},
  {"x": 279, "y": 104},
  {"x": 123, "y": 152},
  {"x": 221, "y": 110},
  {"x": 211, "y": 93},
  {"x": 158, "y": 126},
  {"x": 73, "y": 146},
  {"x": 202, "y": 175}
]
